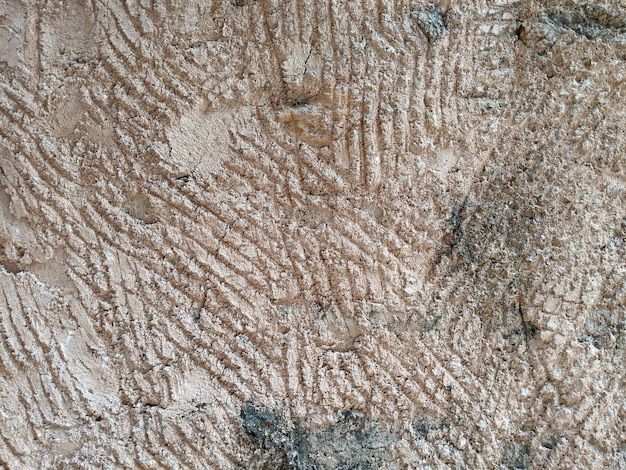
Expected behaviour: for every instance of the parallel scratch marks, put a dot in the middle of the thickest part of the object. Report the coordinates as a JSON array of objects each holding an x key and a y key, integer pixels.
[{"x": 289, "y": 272}]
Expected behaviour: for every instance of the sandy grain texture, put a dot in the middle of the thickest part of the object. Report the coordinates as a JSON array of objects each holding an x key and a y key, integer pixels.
[{"x": 297, "y": 234}]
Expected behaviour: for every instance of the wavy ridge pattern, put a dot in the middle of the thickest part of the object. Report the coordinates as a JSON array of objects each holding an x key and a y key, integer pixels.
[{"x": 310, "y": 272}]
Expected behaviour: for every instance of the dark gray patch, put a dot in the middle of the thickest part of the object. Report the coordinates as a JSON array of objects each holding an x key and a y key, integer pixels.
[
  {"x": 269, "y": 437},
  {"x": 516, "y": 456},
  {"x": 425, "y": 424},
  {"x": 621, "y": 448},
  {"x": 353, "y": 442},
  {"x": 526, "y": 332},
  {"x": 455, "y": 245},
  {"x": 523, "y": 331},
  {"x": 590, "y": 19},
  {"x": 321, "y": 309},
  {"x": 262, "y": 427},
  {"x": 424, "y": 323},
  {"x": 299, "y": 102},
  {"x": 430, "y": 21},
  {"x": 564, "y": 22},
  {"x": 605, "y": 328},
  {"x": 530, "y": 330}
]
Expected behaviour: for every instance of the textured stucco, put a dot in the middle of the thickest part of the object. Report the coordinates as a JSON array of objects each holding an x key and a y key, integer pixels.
[{"x": 312, "y": 234}]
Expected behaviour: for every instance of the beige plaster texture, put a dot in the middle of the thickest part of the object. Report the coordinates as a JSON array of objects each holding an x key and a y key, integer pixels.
[{"x": 334, "y": 234}]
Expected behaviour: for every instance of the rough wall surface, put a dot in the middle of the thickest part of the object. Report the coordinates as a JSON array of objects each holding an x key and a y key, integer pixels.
[{"x": 298, "y": 234}]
